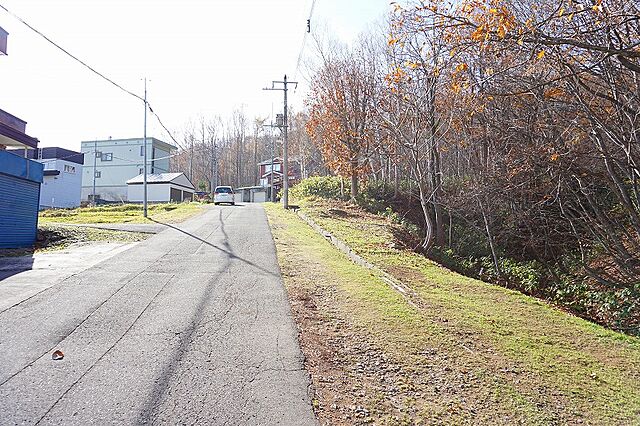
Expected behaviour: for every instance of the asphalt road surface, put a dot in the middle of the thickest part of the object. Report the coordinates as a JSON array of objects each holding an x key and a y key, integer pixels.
[{"x": 191, "y": 326}]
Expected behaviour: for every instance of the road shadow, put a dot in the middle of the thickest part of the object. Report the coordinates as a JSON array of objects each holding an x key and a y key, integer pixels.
[
  {"x": 13, "y": 262},
  {"x": 226, "y": 250},
  {"x": 229, "y": 205},
  {"x": 153, "y": 406}
]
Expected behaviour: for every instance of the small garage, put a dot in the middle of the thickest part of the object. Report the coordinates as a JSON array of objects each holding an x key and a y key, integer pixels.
[
  {"x": 250, "y": 194},
  {"x": 161, "y": 188},
  {"x": 20, "y": 181}
]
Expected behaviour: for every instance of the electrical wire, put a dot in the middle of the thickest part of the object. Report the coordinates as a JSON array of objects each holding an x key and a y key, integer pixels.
[
  {"x": 165, "y": 128},
  {"x": 89, "y": 67},
  {"x": 93, "y": 70},
  {"x": 304, "y": 39}
]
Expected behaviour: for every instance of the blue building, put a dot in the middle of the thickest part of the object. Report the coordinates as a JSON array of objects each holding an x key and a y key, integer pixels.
[{"x": 20, "y": 180}]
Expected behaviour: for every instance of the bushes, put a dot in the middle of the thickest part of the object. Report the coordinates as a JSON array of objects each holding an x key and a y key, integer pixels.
[
  {"x": 375, "y": 196},
  {"x": 319, "y": 186},
  {"x": 617, "y": 309},
  {"x": 561, "y": 281}
]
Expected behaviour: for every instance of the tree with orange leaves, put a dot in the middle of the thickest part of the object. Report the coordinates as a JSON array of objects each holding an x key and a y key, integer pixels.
[{"x": 341, "y": 120}]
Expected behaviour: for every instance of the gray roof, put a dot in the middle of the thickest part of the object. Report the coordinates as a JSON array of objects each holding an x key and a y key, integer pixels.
[{"x": 177, "y": 178}]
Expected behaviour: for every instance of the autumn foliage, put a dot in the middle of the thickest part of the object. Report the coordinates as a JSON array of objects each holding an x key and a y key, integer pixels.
[
  {"x": 341, "y": 116},
  {"x": 515, "y": 127}
]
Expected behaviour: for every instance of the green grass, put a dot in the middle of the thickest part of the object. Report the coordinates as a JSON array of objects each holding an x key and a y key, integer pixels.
[
  {"x": 121, "y": 213},
  {"x": 565, "y": 368}
]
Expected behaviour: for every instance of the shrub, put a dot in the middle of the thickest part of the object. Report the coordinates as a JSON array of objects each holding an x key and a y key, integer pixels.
[{"x": 318, "y": 186}]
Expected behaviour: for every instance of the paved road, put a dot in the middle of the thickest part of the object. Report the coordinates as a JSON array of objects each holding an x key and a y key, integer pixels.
[
  {"x": 25, "y": 276},
  {"x": 191, "y": 326}
]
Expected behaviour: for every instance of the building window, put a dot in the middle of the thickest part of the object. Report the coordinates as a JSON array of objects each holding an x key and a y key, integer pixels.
[
  {"x": 107, "y": 156},
  {"x": 141, "y": 171},
  {"x": 141, "y": 150},
  {"x": 98, "y": 173},
  {"x": 69, "y": 169}
]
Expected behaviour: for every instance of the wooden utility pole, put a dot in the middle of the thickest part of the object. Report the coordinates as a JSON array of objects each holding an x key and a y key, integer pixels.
[
  {"x": 144, "y": 151},
  {"x": 285, "y": 148}
]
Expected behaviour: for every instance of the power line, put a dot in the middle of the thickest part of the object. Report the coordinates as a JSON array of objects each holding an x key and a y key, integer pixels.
[
  {"x": 93, "y": 70},
  {"x": 304, "y": 38},
  {"x": 89, "y": 67},
  {"x": 165, "y": 128}
]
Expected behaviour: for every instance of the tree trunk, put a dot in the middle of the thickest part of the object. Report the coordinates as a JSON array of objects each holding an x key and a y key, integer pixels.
[
  {"x": 496, "y": 262},
  {"x": 396, "y": 182},
  {"x": 427, "y": 242},
  {"x": 435, "y": 170},
  {"x": 354, "y": 180},
  {"x": 354, "y": 187},
  {"x": 450, "y": 230}
]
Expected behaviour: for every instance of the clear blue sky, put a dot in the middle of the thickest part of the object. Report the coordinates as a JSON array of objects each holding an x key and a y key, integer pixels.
[{"x": 203, "y": 57}]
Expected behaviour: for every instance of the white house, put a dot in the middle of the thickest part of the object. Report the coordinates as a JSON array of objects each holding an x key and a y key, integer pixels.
[
  {"x": 109, "y": 164},
  {"x": 62, "y": 182},
  {"x": 161, "y": 188}
]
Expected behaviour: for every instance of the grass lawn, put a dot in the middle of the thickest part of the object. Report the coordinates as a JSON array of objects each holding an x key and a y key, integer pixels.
[
  {"x": 466, "y": 352},
  {"x": 122, "y": 213}
]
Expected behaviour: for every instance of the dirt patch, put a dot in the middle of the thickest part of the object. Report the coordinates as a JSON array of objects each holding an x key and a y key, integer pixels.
[
  {"x": 350, "y": 376},
  {"x": 58, "y": 237}
]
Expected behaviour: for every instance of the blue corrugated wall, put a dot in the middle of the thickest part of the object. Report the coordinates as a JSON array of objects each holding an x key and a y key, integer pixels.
[{"x": 20, "y": 181}]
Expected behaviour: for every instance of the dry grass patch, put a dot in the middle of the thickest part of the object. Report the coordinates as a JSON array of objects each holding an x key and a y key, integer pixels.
[{"x": 122, "y": 213}]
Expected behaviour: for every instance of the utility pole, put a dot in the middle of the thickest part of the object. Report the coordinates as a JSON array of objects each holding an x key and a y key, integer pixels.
[
  {"x": 273, "y": 148},
  {"x": 144, "y": 151},
  {"x": 191, "y": 160},
  {"x": 95, "y": 157},
  {"x": 285, "y": 148},
  {"x": 214, "y": 159},
  {"x": 204, "y": 142},
  {"x": 214, "y": 167}
]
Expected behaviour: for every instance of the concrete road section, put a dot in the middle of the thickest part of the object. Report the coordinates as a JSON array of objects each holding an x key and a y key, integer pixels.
[
  {"x": 25, "y": 276},
  {"x": 191, "y": 326}
]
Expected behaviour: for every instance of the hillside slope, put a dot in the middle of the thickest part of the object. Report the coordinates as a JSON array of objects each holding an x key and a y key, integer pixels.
[{"x": 464, "y": 352}]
